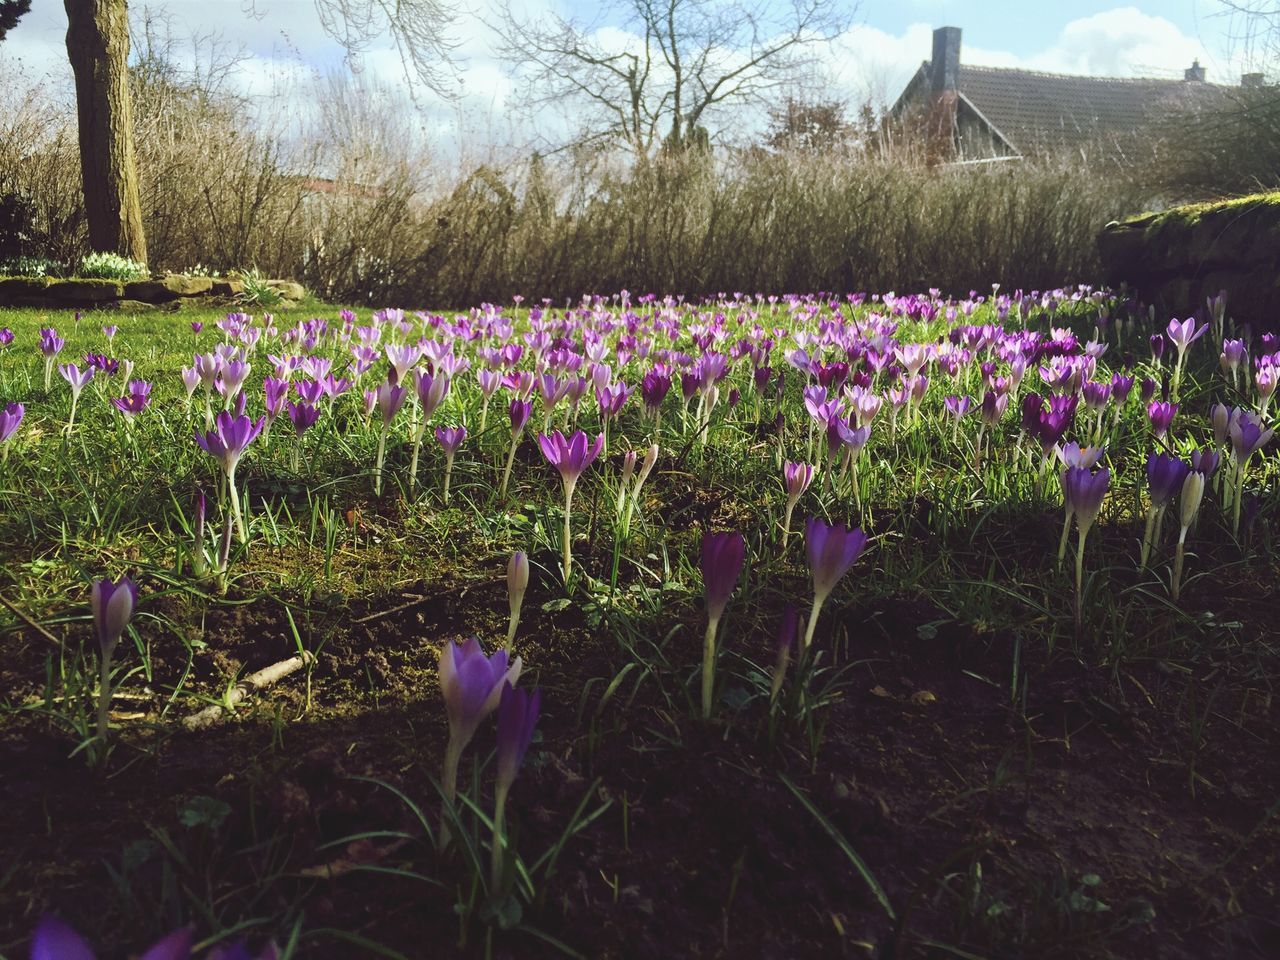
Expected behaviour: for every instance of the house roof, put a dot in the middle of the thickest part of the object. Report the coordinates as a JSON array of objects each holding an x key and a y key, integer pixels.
[{"x": 1047, "y": 112}]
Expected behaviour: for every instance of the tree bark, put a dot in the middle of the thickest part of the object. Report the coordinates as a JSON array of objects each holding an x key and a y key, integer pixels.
[{"x": 98, "y": 47}]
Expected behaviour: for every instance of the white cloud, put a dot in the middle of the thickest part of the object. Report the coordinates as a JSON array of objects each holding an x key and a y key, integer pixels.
[{"x": 1124, "y": 42}]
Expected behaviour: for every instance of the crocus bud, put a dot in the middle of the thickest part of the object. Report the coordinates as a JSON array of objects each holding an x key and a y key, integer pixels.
[
  {"x": 786, "y": 642},
  {"x": 517, "y": 583},
  {"x": 1221, "y": 415},
  {"x": 113, "y": 605},
  {"x": 722, "y": 558},
  {"x": 797, "y": 477},
  {"x": 650, "y": 458},
  {"x": 1192, "y": 494}
]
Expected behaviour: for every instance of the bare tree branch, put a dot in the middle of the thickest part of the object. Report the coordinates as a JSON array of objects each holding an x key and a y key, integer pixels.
[
  {"x": 419, "y": 29},
  {"x": 655, "y": 79}
]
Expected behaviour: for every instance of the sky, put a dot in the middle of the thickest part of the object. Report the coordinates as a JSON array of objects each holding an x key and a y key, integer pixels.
[{"x": 283, "y": 45}]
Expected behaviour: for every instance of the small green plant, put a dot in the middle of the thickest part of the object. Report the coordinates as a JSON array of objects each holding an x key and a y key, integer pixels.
[
  {"x": 111, "y": 266},
  {"x": 32, "y": 267},
  {"x": 258, "y": 290}
]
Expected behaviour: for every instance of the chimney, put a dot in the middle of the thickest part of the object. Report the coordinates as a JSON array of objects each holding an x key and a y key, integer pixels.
[
  {"x": 1252, "y": 81},
  {"x": 944, "y": 68},
  {"x": 1194, "y": 73}
]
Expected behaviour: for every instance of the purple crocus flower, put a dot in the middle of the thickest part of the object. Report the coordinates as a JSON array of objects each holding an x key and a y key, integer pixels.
[
  {"x": 275, "y": 392},
  {"x": 1161, "y": 414},
  {"x": 959, "y": 406},
  {"x": 722, "y": 558},
  {"x": 1157, "y": 342},
  {"x": 391, "y": 398},
  {"x": 1165, "y": 474},
  {"x": 472, "y": 685},
  {"x": 653, "y": 390},
  {"x": 303, "y": 416},
  {"x": 227, "y": 443},
  {"x": 73, "y": 375},
  {"x": 517, "y": 718},
  {"x": 1247, "y": 436},
  {"x": 234, "y": 373},
  {"x": 1233, "y": 356},
  {"x": 1205, "y": 462},
  {"x": 1083, "y": 493},
  {"x": 54, "y": 940},
  {"x": 450, "y": 438},
  {"x": 1074, "y": 455},
  {"x": 994, "y": 406},
  {"x": 229, "y": 439},
  {"x": 6, "y": 337},
  {"x": 832, "y": 551},
  {"x": 1183, "y": 333},
  {"x": 10, "y": 418},
  {"x": 1121, "y": 387},
  {"x": 131, "y": 405},
  {"x": 519, "y": 412},
  {"x": 50, "y": 343},
  {"x": 1096, "y": 394},
  {"x": 431, "y": 391},
  {"x": 571, "y": 457},
  {"x": 112, "y": 604},
  {"x": 309, "y": 391}
]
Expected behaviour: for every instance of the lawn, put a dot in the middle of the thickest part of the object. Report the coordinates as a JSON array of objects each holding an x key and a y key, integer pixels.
[{"x": 980, "y": 733}]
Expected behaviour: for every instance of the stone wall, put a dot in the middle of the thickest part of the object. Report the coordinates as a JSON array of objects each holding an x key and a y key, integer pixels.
[
  {"x": 170, "y": 291},
  {"x": 1179, "y": 258}
]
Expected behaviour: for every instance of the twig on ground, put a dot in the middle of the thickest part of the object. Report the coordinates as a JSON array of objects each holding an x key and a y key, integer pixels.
[
  {"x": 37, "y": 627},
  {"x": 254, "y": 683}
]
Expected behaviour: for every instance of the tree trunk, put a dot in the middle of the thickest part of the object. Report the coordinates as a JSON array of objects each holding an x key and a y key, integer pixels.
[{"x": 98, "y": 47}]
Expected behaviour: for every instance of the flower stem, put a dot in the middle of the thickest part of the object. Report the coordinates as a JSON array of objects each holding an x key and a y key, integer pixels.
[
  {"x": 235, "y": 506},
  {"x": 377, "y": 470},
  {"x": 568, "y": 532},
  {"x": 1062, "y": 541},
  {"x": 104, "y": 695},
  {"x": 1175, "y": 586},
  {"x": 448, "y": 471},
  {"x": 506, "y": 473},
  {"x": 818, "y": 601},
  {"x": 449, "y": 786},
  {"x": 708, "y": 666},
  {"x": 413, "y": 461},
  {"x": 499, "y": 829},
  {"x": 786, "y": 522},
  {"x": 1084, "y": 533},
  {"x": 1146, "y": 538}
]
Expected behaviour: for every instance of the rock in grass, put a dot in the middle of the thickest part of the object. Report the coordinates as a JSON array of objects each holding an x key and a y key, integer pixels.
[
  {"x": 289, "y": 289},
  {"x": 172, "y": 286},
  {"x": 86, "y": 291},
  {"x": 15, "y": 289}
]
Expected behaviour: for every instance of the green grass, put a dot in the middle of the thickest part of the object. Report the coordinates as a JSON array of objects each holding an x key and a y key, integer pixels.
[{"x": 973, "y": 546}]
